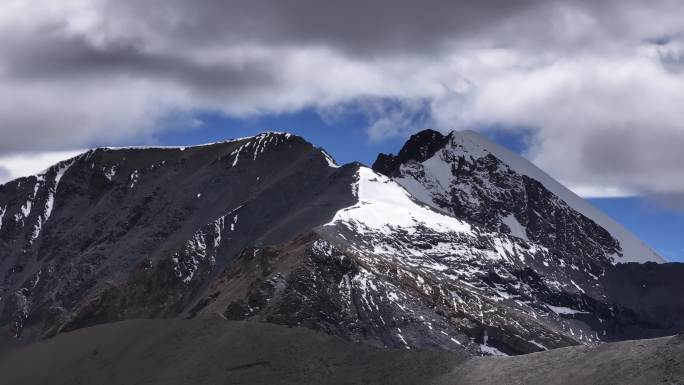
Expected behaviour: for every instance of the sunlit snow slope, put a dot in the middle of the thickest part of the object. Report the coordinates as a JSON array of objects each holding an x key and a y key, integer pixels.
[{"x": 384, "y": 205}]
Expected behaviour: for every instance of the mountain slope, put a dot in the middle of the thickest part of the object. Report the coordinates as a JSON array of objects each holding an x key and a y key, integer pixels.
[
  {"x": 467, "y": 175},
  {"x": 393, "y": 272},
  {"x": 219, "y": 352},
  {"x": 116, "y": 233},
  {"x": 269, "y": 229}
]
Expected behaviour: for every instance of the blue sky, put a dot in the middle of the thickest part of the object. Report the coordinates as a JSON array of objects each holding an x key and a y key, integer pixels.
[
  {"x": 658, "y": 227},
  {"x": 346, "y": 138}
]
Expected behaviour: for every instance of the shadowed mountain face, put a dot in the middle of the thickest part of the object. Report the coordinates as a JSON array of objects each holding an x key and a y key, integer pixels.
[
  {"x": 457, "y": 247},
  {"x": 119, "y": 233}
]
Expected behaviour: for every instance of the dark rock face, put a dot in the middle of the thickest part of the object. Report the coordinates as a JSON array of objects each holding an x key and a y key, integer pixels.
[
  {"x": 645, "y": 300},
  {"x": 140, "y": 232},
  {"x": 418, "y": 148}
]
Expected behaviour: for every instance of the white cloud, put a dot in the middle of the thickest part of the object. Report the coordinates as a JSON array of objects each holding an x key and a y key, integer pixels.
[
  {"x": 600, "y": 83},
  {"x": 600, "y": 121},
  {"x": 600, "y": 191},
  {"x": 18, "y": 165}
]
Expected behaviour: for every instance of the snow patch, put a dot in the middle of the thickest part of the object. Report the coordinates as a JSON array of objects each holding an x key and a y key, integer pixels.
[
  {"x": 50, "y": 201},
  {"x": 259, "y": 144},
  {"x": 564, "y": 310},
  {"x": 517, "y": 230},
  {"x": 196, "y": 251},
  {"x": 3, "y": 210},
  {"x": 537, "y": 344},
  {"x": 133, "y": 178},
  {"x": 329, "y": 159},
  {"x": 109, "y": 172},
  {"x": 26, "y": 207},
  {"x": 219, "y": 225},
  {"x": 384, "y": 205},
  {"x": 577, "y": 286},
  {"x": 53, "y": 191},
  {"x": 490, "y": 350},
  {"x": 237, "y": 155},
  {"x": 402, "y": 339},
  {"x": 232, "y": 225}
]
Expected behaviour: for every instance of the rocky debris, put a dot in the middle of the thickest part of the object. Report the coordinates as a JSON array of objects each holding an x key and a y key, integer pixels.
[{"x": 219, "y": 352}]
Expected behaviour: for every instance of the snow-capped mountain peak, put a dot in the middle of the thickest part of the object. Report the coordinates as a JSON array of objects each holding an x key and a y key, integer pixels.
[
  {"x": 465, "y": 174},
  {"x": 448, "y": 245}
]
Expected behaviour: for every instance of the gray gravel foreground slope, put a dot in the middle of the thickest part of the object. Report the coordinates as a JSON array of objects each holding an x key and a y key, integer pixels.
[
  {"x": 223, "y": 352},
  {"x": 643, "y": 362}
]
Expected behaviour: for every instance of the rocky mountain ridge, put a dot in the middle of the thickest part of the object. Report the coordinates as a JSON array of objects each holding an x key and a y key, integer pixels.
[
  {"x": 468, "y": 176},
  {"x": 138, "y": 232},
  {"x": 270, "y": 229}
]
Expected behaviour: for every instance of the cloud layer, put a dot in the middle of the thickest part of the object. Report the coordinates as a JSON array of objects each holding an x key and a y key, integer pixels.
[{"x": 599, "y": 83}]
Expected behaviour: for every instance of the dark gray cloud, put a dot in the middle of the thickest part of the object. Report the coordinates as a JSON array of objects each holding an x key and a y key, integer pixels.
[
  {"x": 355, "y": 26},
  {"x": 599, "y": 82},
  {"x": 603, "y": 150},
  {"x": 76, "y": 58},
  {"x": 381, "y": 27}
]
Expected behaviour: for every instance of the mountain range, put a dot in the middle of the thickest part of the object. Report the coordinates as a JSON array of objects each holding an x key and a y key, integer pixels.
[{"x": 453, "y": 244}]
